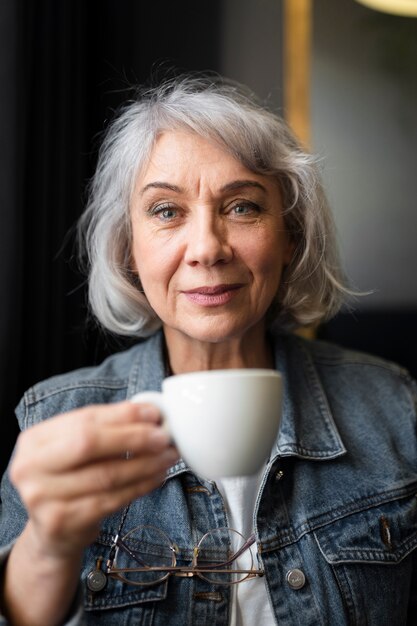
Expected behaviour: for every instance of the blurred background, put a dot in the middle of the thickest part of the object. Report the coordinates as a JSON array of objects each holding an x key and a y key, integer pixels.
[{"x": 348, "y": 71}]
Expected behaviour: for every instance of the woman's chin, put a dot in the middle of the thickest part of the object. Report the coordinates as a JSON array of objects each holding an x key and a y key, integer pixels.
[{"x": 214, "y": 331}]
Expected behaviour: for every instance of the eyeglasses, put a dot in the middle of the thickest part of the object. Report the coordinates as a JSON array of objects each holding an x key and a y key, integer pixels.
[{"x": 147, "y": 556}]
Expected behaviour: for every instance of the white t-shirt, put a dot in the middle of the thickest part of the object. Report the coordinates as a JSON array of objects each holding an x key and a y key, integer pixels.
[{"x": 250, "y": 601}]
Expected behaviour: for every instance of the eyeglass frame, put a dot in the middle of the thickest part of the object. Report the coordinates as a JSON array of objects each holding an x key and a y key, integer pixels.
[{"x": 180, "y": 571}]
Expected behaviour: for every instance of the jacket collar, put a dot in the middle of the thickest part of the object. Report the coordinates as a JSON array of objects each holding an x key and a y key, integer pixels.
[{"x": 307, "y": 430}]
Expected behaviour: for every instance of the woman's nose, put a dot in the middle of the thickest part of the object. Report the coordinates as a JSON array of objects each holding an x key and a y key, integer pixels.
[{"x": 208, "y": 242}]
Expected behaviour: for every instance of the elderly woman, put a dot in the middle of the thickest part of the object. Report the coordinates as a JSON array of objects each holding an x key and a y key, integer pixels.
[{"x": 209, "y": 238}]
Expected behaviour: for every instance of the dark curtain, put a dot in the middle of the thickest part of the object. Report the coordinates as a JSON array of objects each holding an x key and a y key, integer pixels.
[{"x": 65, "y": 67}]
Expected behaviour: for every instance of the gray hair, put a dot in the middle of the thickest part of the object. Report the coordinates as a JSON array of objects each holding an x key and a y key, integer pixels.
[{"x": 312, "y": 287}]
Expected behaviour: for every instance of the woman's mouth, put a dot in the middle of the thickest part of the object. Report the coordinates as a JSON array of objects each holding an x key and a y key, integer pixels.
[{"x": 213, "y": 296}]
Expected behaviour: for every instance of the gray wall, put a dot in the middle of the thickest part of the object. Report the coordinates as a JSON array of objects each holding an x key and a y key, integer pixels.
[
  {"x": 364, "y": 118},
  {"x": 251, "y": 46}
]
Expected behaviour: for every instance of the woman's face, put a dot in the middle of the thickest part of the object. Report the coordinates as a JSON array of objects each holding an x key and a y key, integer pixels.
[{"x": 209, "y": 240}]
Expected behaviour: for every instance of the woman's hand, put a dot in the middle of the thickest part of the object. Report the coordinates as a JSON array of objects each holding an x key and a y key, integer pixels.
[{"x": 71, "y": 470}]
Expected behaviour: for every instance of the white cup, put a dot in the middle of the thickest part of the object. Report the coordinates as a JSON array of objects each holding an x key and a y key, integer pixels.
[{"x": 223, "y": 422}]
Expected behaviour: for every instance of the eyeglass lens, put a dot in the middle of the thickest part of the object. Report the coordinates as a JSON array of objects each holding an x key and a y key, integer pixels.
[
  {"x": 144, "y": 547},
  {"x": 217, "y": 552}
]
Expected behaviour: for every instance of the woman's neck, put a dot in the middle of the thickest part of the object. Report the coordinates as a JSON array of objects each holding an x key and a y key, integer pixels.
[{"x": 185, "y": 354}]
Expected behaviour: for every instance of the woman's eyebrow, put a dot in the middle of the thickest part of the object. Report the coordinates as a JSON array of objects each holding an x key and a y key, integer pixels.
[
  {"x": 232, "y": 186},
  {"x": 159, "y": 184},
  {"x": 241, "y": 184}
]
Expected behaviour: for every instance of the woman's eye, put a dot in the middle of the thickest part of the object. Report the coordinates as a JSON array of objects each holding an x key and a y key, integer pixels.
[
  {"x": 164, "y": 213},
  {"x": 167, "y": 214},
  {"x": 245, "y": 208}
]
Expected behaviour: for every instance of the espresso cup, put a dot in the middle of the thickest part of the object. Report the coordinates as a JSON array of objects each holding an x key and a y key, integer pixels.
[{"x": 223, "y": 422}]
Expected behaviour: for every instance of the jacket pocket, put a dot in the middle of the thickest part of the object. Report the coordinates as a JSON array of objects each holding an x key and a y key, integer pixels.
[{"x": 371, "y": 555}]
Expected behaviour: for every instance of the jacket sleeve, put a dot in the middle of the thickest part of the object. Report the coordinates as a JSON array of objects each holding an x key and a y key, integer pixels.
[
  {"x": 412, "y": 607},
  {"x": 12, "y": 521},
  {"x": 13, "y": 518}
]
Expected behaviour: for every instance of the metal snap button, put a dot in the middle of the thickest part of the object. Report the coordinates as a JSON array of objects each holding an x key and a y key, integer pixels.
[
  {"x": 96, "y": 580},
  {"x": 296, "y": 578}
]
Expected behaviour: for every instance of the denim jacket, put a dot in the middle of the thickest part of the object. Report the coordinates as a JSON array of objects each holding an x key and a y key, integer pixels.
[{"x": 336, "y": 513}]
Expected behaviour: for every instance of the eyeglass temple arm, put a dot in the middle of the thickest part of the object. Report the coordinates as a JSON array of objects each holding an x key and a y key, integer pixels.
[
  {"x": 119, "y": 543},
  {"x": 248, "y": 543}
]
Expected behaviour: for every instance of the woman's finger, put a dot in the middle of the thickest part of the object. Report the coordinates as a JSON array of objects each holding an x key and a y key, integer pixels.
[
  {"x": 78, "y": 438},
  {"x": 101, "y": 477},
  {"x": 116, "y": 414}
]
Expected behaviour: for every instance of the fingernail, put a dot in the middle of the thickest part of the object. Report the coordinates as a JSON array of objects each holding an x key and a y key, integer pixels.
[
  {"x": 170, "y": 456},
  {"x": 159, "y": 438},
  {"x": 148, "y": 411}
]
